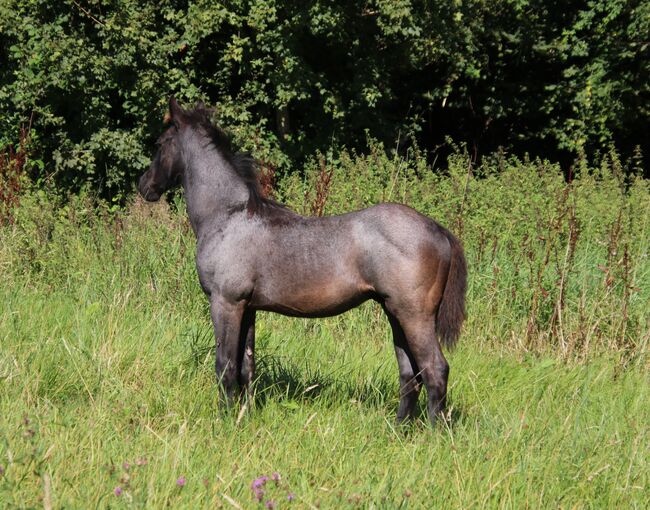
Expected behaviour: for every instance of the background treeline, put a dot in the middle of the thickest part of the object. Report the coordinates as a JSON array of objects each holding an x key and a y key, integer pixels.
[{"x": 553, "y": 78}]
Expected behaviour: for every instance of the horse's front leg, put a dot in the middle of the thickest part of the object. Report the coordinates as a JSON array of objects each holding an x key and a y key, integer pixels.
[{"x": 227, "y": 322}]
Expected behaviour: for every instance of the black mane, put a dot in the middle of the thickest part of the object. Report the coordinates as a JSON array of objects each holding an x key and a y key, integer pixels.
[{"x": 242, "y": 162}]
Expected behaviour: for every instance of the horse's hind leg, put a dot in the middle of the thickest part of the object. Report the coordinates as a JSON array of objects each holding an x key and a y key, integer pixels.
[
  {"x": 409, "y": 379},
  {"x": 433, "y": 367},
  {"x": 425, "y": 354}
]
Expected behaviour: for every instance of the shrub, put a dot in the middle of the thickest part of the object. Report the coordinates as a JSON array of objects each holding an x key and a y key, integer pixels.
[{"x": 289, "y": 78}]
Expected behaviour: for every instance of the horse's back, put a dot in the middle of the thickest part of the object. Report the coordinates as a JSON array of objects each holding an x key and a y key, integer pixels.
[
  {"x": 403, "y": 224},
  {"x": 398, "y": 231},
  {"x": 374, "y": 242}
]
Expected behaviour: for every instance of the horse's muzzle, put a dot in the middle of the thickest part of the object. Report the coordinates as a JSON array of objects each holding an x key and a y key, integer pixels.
[{"x": 146, "y": 191}]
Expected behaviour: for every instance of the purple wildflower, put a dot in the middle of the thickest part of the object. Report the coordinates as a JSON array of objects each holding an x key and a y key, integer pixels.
[
  {"x": 276, "y": 477},
  {"x": 259, "y": 494},
  {"x": 117, "y": 491},
  {"x": 141, "y": 461},
  {"x": 126, "y": 466},
  {"x": 259, "y": 482},
  {"x": 270, "y": 504},
  {"x": 181, "y": 481},
  {"x": 291, "y": 496}
]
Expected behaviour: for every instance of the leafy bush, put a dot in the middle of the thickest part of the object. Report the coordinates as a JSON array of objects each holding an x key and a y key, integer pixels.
[{"x": 290, "y": 77}]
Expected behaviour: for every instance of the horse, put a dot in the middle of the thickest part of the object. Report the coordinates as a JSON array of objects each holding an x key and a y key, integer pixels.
[{"x": 253, "y": 253}]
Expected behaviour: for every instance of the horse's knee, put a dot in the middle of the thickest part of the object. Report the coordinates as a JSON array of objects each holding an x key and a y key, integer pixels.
[
  {"x": 435, "y": 378},
  {"x": 439, "y": 378}
]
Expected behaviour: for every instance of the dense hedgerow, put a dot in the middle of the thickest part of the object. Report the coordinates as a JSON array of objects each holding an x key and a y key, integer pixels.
[
  {"x": 92, "y": 78},
  {"x": 553, "y": 264}
]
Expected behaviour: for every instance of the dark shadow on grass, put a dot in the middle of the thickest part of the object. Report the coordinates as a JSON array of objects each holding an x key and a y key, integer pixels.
[
  {"x": 287, "y": 379},
  {"x": 280, "y": 378}
]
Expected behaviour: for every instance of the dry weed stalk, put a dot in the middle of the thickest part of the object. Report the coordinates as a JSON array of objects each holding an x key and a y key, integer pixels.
[{"x": 12, "y": 171}]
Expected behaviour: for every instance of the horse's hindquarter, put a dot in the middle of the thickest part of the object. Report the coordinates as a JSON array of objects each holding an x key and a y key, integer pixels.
[{"x": 408, "y": 256}]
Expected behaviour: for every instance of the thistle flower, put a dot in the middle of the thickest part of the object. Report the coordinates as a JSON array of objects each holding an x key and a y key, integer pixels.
[
  {"x": 181, "y": 481},
  {"x": 117, "y": 491},
  {"x": 259, "y": 482}
]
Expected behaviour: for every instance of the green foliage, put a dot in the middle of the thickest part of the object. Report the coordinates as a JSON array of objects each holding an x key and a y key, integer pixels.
[{"x": 289, "y": 78}]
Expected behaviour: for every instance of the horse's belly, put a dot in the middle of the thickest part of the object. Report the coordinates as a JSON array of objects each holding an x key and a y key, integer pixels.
[{"x": 312, "y": 298}]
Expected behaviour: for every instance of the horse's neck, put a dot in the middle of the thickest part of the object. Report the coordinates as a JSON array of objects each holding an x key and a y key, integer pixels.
[{"x": 212, "y": 187}]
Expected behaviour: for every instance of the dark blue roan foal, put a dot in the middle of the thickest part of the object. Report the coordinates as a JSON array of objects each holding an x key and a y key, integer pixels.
[{"x": 255, "y": 254}]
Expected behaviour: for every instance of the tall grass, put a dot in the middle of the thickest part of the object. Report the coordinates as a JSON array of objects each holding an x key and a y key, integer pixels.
[{"x": 107, "y": 393}]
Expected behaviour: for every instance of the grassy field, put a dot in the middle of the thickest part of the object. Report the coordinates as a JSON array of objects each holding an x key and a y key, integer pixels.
[{"x": 108, "y": 399}]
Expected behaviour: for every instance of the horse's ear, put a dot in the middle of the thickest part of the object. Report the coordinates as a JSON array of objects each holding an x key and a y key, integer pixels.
[{"x": 176, "y": 113}]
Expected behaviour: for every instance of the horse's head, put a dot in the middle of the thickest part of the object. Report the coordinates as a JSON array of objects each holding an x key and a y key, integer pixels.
[{"x": 166, "y": 169}]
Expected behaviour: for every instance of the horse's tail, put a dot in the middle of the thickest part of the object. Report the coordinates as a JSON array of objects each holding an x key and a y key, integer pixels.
[{"x": 451, "y": 312}]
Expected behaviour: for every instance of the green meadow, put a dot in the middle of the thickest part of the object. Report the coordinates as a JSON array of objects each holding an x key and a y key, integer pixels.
[{"x": 107, "y": 389}]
